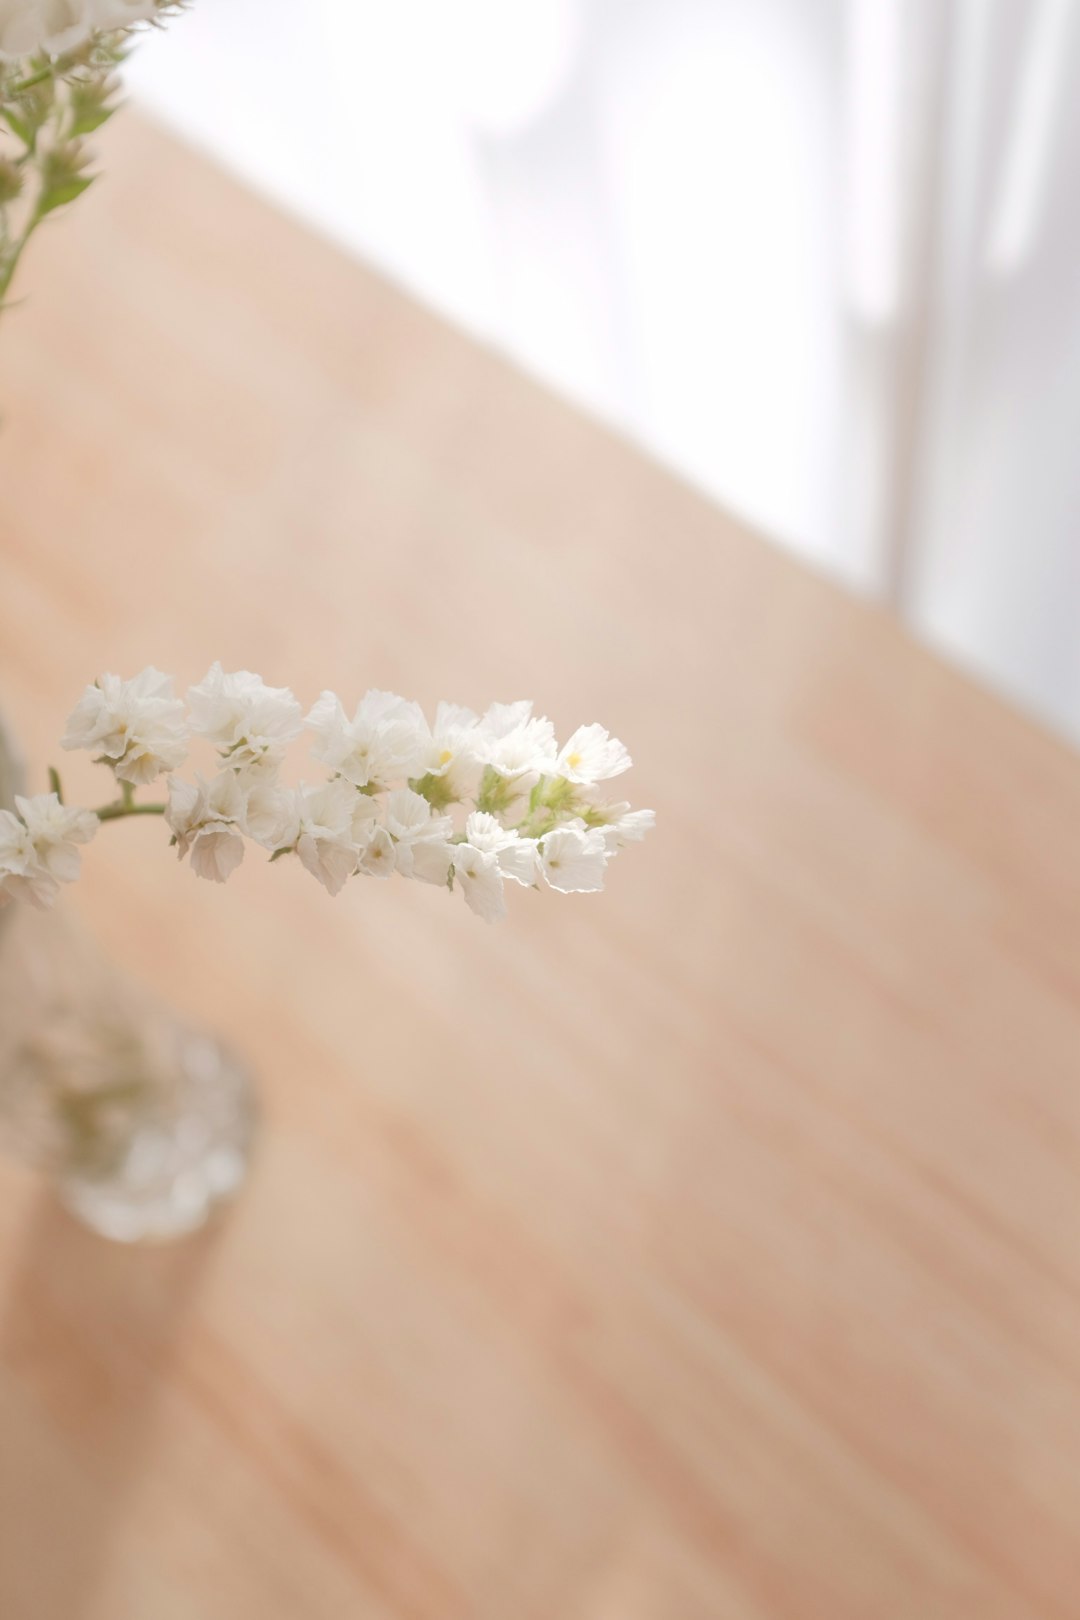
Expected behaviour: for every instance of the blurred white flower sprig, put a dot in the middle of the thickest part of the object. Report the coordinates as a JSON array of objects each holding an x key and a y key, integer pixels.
[
  {"x": 468, "y": 800},
  {"x": 58, "y": 83}
]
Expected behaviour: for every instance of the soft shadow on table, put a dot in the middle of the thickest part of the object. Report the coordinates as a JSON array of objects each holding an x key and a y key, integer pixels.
[{"x": 87, "y": 1331}]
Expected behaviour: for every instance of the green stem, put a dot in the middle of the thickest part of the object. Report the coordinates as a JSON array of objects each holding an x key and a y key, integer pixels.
[
  {"x": 12, "y": 260},
  {"x": 35, "y": 78},
  {"x": 118, "y": 810}
]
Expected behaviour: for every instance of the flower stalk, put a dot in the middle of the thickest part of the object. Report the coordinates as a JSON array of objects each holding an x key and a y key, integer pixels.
[
  {"x": 118, "y": 810},
  {"x": 465, "y": 801}
]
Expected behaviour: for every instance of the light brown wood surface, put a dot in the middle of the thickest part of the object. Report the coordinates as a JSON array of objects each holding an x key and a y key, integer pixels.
[{"x": 707, "y": 1250}]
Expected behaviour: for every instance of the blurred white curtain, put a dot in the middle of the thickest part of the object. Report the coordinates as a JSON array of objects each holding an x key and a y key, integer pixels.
[
  {"x": 993, "y": 565},
  {"x": 823, "y": 256}
]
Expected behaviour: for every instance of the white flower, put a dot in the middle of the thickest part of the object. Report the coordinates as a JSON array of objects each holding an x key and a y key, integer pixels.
[
  {"x": 206, "y": 819},
  {"x": 489, "y": 854},
  {"x": 28, "y": 27},
  {"x": 517, "y": 857},
  {"x": 55, "y": 830},
  {"x": 109, "y": 14},
  {"x": 246, "y": 720},
  {"x": 452, "y": 751},
  {"x": 386, "y": 740},
  {"x": 38, "y": 847},
  {"x": 409, "y": 816},
  {"x": 409, "y": 820},
  {"x": 334, "y": 822},
  {"x": 430, "y": 860},
  {"x": 269, "y": 810},
  {"x": 32, "y": 868},
  {"x": 19, "y": 865},
  {"x": 477, "y": 871},
  {"x": 378, "y": 858},
  {"x": 573, "y": 859},
  {"x": 514, "y": 741},
  {"x": 592, "y": 755},
  {"x": 137, "y": 727},
  {"x": 624, "y": 826}
]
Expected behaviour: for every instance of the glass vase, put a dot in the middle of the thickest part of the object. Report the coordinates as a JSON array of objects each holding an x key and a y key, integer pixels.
[{"x": 143, "y": 1123}]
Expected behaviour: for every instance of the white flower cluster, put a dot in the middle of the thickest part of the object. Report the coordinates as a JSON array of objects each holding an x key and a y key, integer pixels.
[
  {"x": 30, "y": 27},
  {"x": 472, "y": 801}
]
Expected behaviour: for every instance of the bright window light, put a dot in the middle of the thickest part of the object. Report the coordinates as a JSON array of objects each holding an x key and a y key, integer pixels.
[
  {"x": 1019, "y": 206},
  {"x": 873, "y": 136}
]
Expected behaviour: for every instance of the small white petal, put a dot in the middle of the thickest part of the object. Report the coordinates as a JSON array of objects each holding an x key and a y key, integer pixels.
[
  {"x": 206, "y": 820},
  {"x": 22, "y": 875},
  {"x": 408, "y": 815},
  {"x": 378, "y": 859},
  {"x": 484, "y": 831},
  {"x": 225, "y": 796},
  {"x": 517, "y": 857},
  {"x": 592, "y": 755},
  {"x": 216, "y": 851},
  {"x": 629, "y": 827},
  {"x": 330, "y": 859},
  {"x": 430, "y": 860},
  {"x": 514, "y": 742},
  {"x": 16, "y": 850},
  {"x": 184, "y": 809},
  {"x": 269, "y": 814},
  {"x": 52, "y": 833},
  {"x": 574, "y": 859},
  {"x": 477, "y": 871},
  {"x": 520, "y": 861},
  {"x": 452, "y": 754},
  {"x": 37, "y": 886}
]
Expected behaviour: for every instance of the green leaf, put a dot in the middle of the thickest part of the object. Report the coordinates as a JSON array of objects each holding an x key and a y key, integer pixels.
[
  {"x": 18, "y": 126},
  {"x": 90, "y": 105},
  {"x": 89, "y": 118},
  {"x": 64, "y": 192},
  {"x": 11, "y": 181},
  {"x": 35, "y": 102}
]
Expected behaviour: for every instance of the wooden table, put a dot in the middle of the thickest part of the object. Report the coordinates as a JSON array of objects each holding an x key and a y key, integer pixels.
[{"x": 705, "y": 1251}]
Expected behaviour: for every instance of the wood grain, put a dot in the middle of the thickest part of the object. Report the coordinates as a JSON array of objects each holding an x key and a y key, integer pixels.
[{"x": 705, "y": 1251}]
